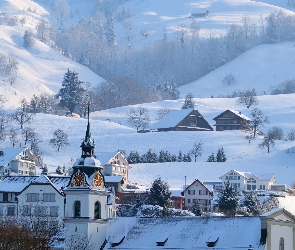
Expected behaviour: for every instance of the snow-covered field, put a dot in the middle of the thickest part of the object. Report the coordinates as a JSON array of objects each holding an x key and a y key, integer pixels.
[{"x": 42, "y": 70}]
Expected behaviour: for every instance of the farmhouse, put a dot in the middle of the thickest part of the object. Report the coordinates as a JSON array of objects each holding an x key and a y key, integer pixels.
[
  {"x": 248, "y": 181},
  {"x": 182, "y": 120},
  {"x": 16, "y": 161},
  {"x": 231, "y": 120}
]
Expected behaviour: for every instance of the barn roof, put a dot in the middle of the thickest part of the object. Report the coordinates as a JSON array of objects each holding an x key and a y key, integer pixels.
[
  {"x": 172, "y": 118},
  {"x": 237, "y": 113}
]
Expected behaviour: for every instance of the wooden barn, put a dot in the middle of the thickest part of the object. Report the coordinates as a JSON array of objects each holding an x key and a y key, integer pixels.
[
  {"x": 231, "y": 120},
  {"x": 182, "y": 120}
]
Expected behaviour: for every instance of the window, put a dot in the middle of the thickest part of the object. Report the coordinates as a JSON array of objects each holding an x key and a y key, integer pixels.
[
  {"x": 1, "y": 210},
  {"x": 40, "y": 211},
  {"x": 77, "y": 208},
  {"x": 1, "y": 196},
  {"x": 262, "y": 187},
  {"x": 97, "y": 213},
  {"x": 26, "y": 210},
  {"x": 11, "y": 211},
  {"x": 33, "y": 197},
  {"x": 53, "y": 211},
  {"x": 203, "y": 192},
  {"x": 188, "y": 200},
  {"x": 48, "y": 197},
  {"x": 191, "y": 192},
  {"x": 281, "y": 244}
]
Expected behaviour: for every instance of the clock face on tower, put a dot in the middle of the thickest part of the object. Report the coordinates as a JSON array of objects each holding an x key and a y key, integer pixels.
[
  {"x": 97, "y": 180},
  {"x": 78, "y": 179}
]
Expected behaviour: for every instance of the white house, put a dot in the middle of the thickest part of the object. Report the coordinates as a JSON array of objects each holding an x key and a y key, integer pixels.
[
  {"x": 248, "y": 181},
  {"x": 197, "y": 190},
  {"x": 114, "y": 164},
  {"x": 16, "y": 161}
]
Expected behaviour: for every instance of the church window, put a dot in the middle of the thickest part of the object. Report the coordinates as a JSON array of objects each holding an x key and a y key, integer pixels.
[
  {"x": 281, "y": 246},
  {"x": 77, "y": 208},
  {"x": 97, "y": 210}
]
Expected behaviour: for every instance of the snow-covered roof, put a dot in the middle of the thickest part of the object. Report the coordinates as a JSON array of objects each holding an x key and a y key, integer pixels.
[
  {"x": 60, "y": 182},
  {"x": 240, "y": 114},
  {"x": 248, "y": 175},
  {"x": 185, "y": 232},
  {"x": 172, "y": 118},
  {"x": 9, "y": 154},
  {"x": 87, "y": 162},
  {"x": 104, "y": 157},
  {"x": 113, "y": 178},
  {"x": 16, "y": 183}
]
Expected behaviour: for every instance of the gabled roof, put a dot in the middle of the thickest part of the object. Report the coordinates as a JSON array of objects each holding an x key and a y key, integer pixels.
[
  {"x": 248, "y": 175},
  {"x": 16, "y": 183},
  {"x": 197, "y": 180},
  {"x": 172, "y": 118},
  {"x": 185, "y": 232},
  {"x": 104, "y": 157},
  {"x": 9, "y": 154},
  {"x": 237, "y": 113}
]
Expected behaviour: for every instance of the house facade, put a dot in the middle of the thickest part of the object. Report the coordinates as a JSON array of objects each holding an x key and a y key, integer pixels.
[
  {"x": 248, "y": 181},
  {"x": 114, "y": 164},
  {"x": 278, "y": 228},
  {"x": 197, "y": 190},
  {"x": 182, "y": 120},
  {"x": 231, "y": 120},
  {"x": 16, "y": 161}
]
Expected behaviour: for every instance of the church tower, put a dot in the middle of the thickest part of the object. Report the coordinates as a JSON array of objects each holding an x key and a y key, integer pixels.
[{"x": 89, "y": 203}]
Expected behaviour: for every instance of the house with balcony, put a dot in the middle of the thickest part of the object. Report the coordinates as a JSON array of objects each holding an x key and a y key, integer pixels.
[
  {"x": 231, "y": 120},
  {"x": 16, "y": 161},
  {"x": 197, "y": 190},
  {"x": 248, "y": 181}
]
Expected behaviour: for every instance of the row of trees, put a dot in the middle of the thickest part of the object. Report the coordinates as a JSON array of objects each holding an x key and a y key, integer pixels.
[{"x": 220, "y": 156}]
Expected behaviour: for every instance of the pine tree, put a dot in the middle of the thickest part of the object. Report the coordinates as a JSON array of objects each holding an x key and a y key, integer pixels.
[
  {"x": 228, "y": 200},
  {"x": 252, "y": 203},
  {"x": 180, "y": 157},
  {"x": 188, "y": 101},
  {"x": 29, "y": 39},
  {"x": 211, "y": 158},
  {"x": 220, "y": 157},
  {"x": 133, "y": 157},
  {"x": 196, "y": 208},
  {"x": 71, "y": 93},
  {"x": 159, "y": 193},
  {"x": 149, "y": 157}
]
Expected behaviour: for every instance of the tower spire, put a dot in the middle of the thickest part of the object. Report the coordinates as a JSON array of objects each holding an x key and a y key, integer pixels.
[{"x": 88, "y": 144}]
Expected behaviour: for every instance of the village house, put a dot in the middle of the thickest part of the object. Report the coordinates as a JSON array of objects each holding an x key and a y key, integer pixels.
[
  {"x": 114, "y": 164},
  {"x": 16, "y": 161},
  {"x": 231, "y": 120},
  {"x": 248, "y": 181},
  {"x": 182, "y": 120},
  {"x": 197, "y": 190}
]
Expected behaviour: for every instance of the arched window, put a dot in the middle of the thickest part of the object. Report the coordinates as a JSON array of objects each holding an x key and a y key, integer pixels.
[
  {"x": 97, "y": 210},
  {"x": 77, "y": 209},
  {"x": 281, "y": 246}
]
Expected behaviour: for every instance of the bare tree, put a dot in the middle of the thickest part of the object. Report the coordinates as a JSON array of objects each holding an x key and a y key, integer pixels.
[
  {"x": 162, "y": 112},
  {"x": 248, "y": 98},
  {"x": 229, "y": 79},
  {"x": 291, "y": 135},
  {"x": 197, "y": 150},
  {"x": 276, "y": 133},
  {"x": 258, "y": 119},
  {"x": 21, "y": 115},
  {"x": 267, "y": 142},
  {"x": 138, "y": 117},
  {"x": 60, "y": 138}
]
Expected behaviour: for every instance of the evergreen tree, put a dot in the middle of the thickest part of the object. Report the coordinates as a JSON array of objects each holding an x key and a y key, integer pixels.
[
  {"x": 196, "y": 208},
  {"x": 164, "y": 156},
  {"x": 149, "y": 157},
  {"x": 187, "y": 158},
  {"x": 228, "y": 200},
  {"x": 211, "y": 158},
  {"x": 29, "y": 39},
  {"x": 252, "y": 203},
  {"x": 71, "y": 92},
  {"x": 220, "y": 157},
  {"x": 180, "y": 157},
  {"x": 133, "y": 157},
  {"x": 159, "y": 193},
  {"x": 188, "y": 101}
]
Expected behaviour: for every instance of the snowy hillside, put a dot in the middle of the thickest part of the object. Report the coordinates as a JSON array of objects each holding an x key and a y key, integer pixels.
[{"x": 41, "y": 69}]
